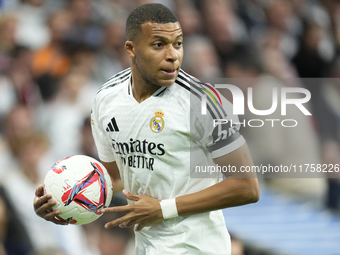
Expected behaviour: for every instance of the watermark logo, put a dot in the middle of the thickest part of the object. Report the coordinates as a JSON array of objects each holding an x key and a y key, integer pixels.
[
  {"x": 213, "y": 91},
  {"x": 239, "y": 99}
]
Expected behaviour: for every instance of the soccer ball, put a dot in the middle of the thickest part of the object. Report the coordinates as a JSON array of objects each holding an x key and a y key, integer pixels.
[{"x": 81, "y": 187}]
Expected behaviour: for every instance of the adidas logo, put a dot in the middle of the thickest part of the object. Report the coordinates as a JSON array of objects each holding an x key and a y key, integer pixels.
[{"x": 112, "y": 126}]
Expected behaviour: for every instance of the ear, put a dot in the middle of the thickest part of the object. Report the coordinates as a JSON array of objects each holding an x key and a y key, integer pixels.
[{"x": 130, "y": 49}]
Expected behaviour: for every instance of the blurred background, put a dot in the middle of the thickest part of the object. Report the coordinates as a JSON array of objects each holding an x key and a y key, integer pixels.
[{"x": 54, "y": 56}]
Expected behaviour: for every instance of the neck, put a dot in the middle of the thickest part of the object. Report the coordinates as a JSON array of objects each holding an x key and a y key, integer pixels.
[{"x": 141, "y": 89}]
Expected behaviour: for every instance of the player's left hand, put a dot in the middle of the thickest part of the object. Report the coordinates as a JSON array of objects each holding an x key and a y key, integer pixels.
[{"x": 145, "y": 211}]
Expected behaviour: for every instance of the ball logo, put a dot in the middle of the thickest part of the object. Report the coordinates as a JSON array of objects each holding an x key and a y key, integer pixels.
[
  {"x": 75, "y": 194},
  {"x": 57, "y": 168},
  {"x": 157, "y": 122}
]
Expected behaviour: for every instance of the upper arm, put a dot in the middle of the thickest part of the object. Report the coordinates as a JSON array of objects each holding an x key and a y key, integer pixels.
[
  {"x": 219, "y": 132},
  {"x": 100, "y": 136},
  {"x": 239, "y": 157},
  {"x": 238, "y": 160},
  {"x": 113, "y": 170},
  {"x": 218, "y": 129}
]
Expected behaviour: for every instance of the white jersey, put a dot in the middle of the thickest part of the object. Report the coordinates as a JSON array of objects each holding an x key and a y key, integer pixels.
[{"x": 152, "y": 143}]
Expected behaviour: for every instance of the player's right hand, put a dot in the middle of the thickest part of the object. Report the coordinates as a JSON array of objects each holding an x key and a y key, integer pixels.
[{"x": 43, "y": 206}]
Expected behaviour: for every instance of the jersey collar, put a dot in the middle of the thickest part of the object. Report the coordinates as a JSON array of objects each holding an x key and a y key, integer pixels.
[{"x": 157, "y": 93}]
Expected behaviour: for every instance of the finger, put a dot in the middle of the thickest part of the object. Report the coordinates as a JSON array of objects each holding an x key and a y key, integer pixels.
[
  {"x": 130, "y": 195},
  {"x": 118, "y": 221},
  {"x": 139, "y": 227},
  {"x": 58, "y": 222},
  {"x": 42, "y": 200},
  {"x": 117, "y": 209},
  {"x": 51, "y": 215},
  {"x": 130, "y": 223},
  {"x": 44, "y": 208},
  {"x": 39, "y": 191},
  {"x": 126, "y": 224}
]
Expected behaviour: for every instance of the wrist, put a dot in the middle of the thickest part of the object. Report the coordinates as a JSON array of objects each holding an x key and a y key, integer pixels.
[{"x": 169, "y": 208}]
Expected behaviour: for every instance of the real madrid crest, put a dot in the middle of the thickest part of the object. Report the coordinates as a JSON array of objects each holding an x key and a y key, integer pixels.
[{"x": 157, "y": 122}]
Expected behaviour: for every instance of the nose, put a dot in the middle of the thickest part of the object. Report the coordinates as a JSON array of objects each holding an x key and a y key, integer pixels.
[{"x": 171, "y": 54}]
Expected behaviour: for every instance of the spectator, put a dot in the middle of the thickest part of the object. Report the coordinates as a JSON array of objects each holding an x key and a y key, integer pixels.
[
  {"x": 190, "y": 18},
  {"x": 17, "y": 185},
  {"x": 112, "y": 57},
  {"x": 8, "y": 98},
  {"x": 281, "y": 29},
  {"x": 222, "y": 25},
  {"x": 327, "y": 95},
  {"x": 21, "y": 77},
  {"x": 8, "y": 28},
  {"x": 201, "y": 59},
  {"x": 308, "y": 61},
  {"x": 85, "y": 30},
  {"x": 32, "y": 31},
  {"x": 17, "y": 124},
  {"x": 50, "y": 63},
  {"x": 63, "y": 118}
]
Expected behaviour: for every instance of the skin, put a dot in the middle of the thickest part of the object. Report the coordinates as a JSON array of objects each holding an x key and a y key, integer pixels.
[{"x": 156, "y": 58}]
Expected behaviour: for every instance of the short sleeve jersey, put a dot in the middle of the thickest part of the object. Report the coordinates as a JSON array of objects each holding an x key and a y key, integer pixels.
[{"x": 152, "y": 142}]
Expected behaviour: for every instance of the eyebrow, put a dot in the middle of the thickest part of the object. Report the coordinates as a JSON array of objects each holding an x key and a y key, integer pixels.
[{"x": 164, "y": 38}]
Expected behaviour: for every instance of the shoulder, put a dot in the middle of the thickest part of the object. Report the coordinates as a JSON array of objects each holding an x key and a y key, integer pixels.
[
  {"x": 200, "y": 94},
  {"x": 117, "y": 79},
  {"x": 199, "y": 90},
  {"x": 112, "y": 90},
  {"x": 186, "y": 81},
  {"x": 187, "y": 87}
]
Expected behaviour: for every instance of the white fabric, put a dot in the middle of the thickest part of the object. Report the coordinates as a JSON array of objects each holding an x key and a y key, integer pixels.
[{"x": 169, "y": 208}]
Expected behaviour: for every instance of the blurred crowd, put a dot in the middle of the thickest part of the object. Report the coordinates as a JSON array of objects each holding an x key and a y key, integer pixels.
[{"x": 54, "y": 56}]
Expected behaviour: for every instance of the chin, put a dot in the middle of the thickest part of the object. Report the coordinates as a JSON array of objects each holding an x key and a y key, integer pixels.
[{"x": 166, "y": 83}]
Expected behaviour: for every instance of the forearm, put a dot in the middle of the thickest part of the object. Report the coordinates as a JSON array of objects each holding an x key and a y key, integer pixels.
[
  {"x": 238, "y": 189},
  {"x": 227, "y": 193},
  {"x": 113, "y": 170},
  {"x": 117, "y": 186}
]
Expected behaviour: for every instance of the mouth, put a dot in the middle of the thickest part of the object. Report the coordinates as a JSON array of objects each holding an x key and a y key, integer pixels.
[{"x": 169, "y": 71}]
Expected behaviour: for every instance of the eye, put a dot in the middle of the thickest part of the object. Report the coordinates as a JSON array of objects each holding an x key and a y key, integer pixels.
[
  {"x": 158, "y": 45},
  {"x": 178, "y": 44}
]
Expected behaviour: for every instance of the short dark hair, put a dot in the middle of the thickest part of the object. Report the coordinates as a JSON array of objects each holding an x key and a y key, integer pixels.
[{"x": 155, "y": 13}]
